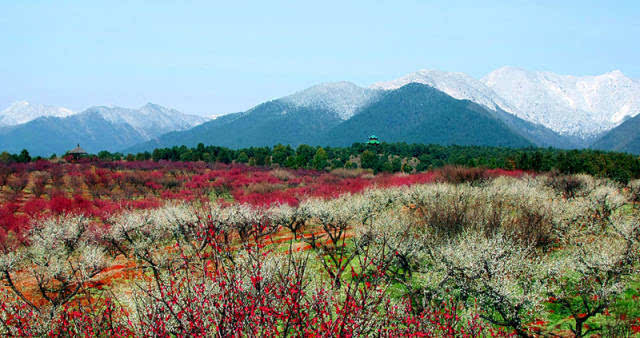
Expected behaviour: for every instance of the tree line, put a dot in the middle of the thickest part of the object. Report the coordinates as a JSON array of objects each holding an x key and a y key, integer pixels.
[{"x": 392, "y": 158}]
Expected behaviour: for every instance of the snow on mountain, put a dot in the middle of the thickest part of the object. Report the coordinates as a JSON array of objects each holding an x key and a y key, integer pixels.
[
  {"x": 581, "y": 106},
  {"x": 457, "y": 85},
  {"x": 150, "y": 120},
  {"x": 570, "y": 105},
  {"x": 23, "y": 111},
  {"x": 344, "y": 98}
]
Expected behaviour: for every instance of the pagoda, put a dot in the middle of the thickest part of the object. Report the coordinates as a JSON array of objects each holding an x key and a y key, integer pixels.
[
  {"x": 77, "y": 152},
  {"x": 373, "y": 141}
]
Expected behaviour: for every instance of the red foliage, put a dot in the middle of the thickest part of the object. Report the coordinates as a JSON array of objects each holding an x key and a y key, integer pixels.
[
  {"x": 11, "y": 221},
  {"x": 276, "y": 197},
  {"x": 35, "y": 207},
  {"x": 407, "y": 180},
  {"x": 635, "y": 328},
  {"x": 492, "y": 173}
]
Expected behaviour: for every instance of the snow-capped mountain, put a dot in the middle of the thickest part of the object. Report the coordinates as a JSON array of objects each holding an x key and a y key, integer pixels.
[
  {"x": 150, "y": 120},
  {"x": 23, "y": 111},
  {"x": 95, "y": 129},
  {"x": 343, "y": 98},
  {"x": 457, "y": 85},
  {"x": 574, "y": 106},
  {"x": 583, "y": 106}
]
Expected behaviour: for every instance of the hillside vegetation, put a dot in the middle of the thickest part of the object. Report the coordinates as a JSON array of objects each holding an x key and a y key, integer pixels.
[{"x": 625, "y": 137}]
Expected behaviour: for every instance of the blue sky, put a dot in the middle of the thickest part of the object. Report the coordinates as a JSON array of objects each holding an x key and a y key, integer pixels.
[{"x": 212, "y": 57}]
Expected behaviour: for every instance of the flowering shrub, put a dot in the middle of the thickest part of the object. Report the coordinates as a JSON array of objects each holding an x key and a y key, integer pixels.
[{"x": 634, "y": 191}]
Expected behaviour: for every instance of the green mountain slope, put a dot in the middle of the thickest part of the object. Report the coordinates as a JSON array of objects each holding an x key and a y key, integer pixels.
[
  {"x": 421, "y": 114},
  {"x": 266, "y": 124},
  {"x": 538, "y": 134},
  {"x": 625, "y": 137}
]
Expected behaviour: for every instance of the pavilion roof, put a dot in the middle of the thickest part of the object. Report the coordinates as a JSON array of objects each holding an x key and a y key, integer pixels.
[{"x": 77, "y": 150}]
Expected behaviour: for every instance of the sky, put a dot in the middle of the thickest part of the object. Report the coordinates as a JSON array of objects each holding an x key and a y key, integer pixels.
[{"x": 210, "y": 57}]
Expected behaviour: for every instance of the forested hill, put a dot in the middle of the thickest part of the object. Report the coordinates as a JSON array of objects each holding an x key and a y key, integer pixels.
[
  {"x": 625, "y": 137},
  {"x": 269, "y": 123},
  {"x": 417, "y": 113}
]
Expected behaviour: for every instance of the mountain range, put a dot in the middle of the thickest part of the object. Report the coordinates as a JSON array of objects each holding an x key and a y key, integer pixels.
[
  {"x": 344, "y": 113},
  {"x": 47, "y": 132},
  {"x": 508, "y": 107},
  {"x": 578, "y": 107},
  {"x": 23, "y": 112},
  {"x": 543, "y": 108},
  {"x": 583, "y": 106}
]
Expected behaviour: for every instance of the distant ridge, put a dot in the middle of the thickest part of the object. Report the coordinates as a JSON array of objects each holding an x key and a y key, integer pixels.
[
  {"x": 96, "y": 128},
  {"x": 23, "y": 112},
  {"x": 582, "y": 106},
  {"x": 623, "y": 138}
]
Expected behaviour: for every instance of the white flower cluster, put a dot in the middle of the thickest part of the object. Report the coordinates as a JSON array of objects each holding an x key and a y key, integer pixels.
[
  {"x": 62, "y": 248},
  {"x": 634, "y": 191}
]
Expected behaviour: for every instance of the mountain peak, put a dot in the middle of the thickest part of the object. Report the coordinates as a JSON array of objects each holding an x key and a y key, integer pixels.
[
  {"x": 508, "y": 68},
  {"x": 616, "y": 74},
  {"x": 582, "y": 106},
  {"x": 458, "y": 85},
  {"x": 431, "y": 77},
  {"x": 151, "y": 105},
  {"x": 328, "y": 87},
  {"x": 16, "y": 104},
  {"x": 344, "y": 98},
  {"x": 22, "y": 112}
]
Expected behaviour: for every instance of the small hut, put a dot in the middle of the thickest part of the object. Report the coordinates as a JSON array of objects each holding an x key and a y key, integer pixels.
[
  {"x": 77, "y": 152},
  {"x": 373, "y": 141}
]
